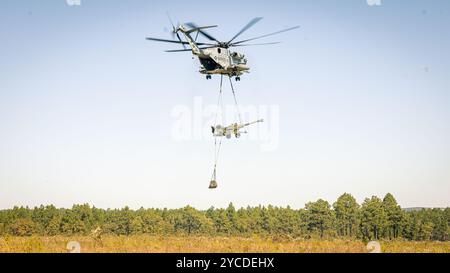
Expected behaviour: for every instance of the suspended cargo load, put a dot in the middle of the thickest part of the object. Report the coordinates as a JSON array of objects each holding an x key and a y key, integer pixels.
[
  {"x": 219, "y": 131},
  {"x": 234, "y": 129},
  {"x": 213, "y": 185}
]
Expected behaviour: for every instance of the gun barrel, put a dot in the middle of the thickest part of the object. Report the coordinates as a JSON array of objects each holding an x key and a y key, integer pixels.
[{"x": 248, "y": 124}]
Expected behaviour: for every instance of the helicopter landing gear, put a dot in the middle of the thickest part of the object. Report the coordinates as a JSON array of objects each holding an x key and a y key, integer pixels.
[
  {"x": 238, "y": 79},
  {"x": 208, "y": 77}
]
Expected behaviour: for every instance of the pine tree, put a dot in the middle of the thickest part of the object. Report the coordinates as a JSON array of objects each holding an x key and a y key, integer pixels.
[
  {"x": 394, "y": 216},
  {"x": 347, "y": 213},
  {"x": 320, "y": 216},
  {"x": 373, "y": 218}
]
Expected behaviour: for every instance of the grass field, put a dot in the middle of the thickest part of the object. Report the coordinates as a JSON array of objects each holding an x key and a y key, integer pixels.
[{"x": 160, "y": 244}]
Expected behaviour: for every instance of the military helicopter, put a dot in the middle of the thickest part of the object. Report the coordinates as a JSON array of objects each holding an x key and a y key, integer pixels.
[{"x": 217, "y": 58}]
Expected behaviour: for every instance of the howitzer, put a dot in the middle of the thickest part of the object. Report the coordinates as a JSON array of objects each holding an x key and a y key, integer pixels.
[{"x": 234, "y": 129}]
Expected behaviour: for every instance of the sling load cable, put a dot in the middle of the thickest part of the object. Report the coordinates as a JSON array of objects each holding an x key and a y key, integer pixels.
[
  {"x": 235, "y": 101},
  {"x": 213, "y": 183},
  {"x": 217, "y": 144}
]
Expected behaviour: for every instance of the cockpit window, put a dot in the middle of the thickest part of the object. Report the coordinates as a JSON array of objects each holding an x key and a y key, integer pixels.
[{"x": 219, "y": 50}]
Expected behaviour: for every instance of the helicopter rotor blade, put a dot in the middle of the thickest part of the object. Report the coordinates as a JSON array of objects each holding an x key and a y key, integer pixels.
[
  {"x": 174, "y": 30},
  {"x": 213, "y": 46},
  {"x": 178, "y": 50},
  {"x": 264, "y": 36},
  {"x": 166, "y": 41},
  {"x": 184, "y": 50},
  {"x": 263, "y": 44},
  {"x": 170, "y": 19},
  {"x": 175, "y": 42},
  {"x": 249, "y": 25},
  {"x": 179, "y": 39},
  {"x": 202, "y": 32}
]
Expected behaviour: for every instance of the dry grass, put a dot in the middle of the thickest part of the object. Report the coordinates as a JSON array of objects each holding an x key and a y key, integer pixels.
[{"x": 172, "y": 244}]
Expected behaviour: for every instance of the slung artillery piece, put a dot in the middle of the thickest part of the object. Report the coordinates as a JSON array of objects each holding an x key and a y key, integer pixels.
[{"x": 234, "y": 129}]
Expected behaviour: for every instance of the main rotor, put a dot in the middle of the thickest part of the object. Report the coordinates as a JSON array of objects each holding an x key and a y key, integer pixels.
[
  {"x": 217, "y": 43},
  {"x": 230, "y": 43}
]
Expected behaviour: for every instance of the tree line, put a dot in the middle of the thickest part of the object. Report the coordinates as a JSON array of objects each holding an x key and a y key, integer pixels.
[{"x": 374, "y": 219}]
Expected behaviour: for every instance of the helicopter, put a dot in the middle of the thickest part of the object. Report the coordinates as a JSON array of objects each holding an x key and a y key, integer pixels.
[{"x": 216, "y": 58}]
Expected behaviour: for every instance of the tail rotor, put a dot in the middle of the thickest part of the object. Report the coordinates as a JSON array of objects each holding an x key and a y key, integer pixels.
[{"x": 175, "y": 30}]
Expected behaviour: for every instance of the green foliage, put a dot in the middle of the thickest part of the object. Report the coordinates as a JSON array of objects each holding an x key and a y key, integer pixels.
[
  {"x": 347, "y": 218},
  {"x": 375, "y": 219},
  {"x": 23, "y": 227},
  {"x": 191, "y": 221},
  {"x": 320, "y": 216},
  {"x": 395, "y": 216}
]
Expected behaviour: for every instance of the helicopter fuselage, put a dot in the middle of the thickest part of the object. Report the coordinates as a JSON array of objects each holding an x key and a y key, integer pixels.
[
  {"x": 215, "y": 56},
  {"x": 217, "y": 60},
  {"x": 222, "y": 61}
]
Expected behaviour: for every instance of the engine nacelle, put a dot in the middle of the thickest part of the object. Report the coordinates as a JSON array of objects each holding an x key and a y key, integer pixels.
[{"x": 237, "y": 56}]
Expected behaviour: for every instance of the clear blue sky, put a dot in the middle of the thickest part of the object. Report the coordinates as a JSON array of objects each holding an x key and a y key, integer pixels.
[{"x": 85, "y": 104}]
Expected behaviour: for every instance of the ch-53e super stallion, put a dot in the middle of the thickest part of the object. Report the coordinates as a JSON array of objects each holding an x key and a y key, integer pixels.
[{"x": 216, "y": 58}]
